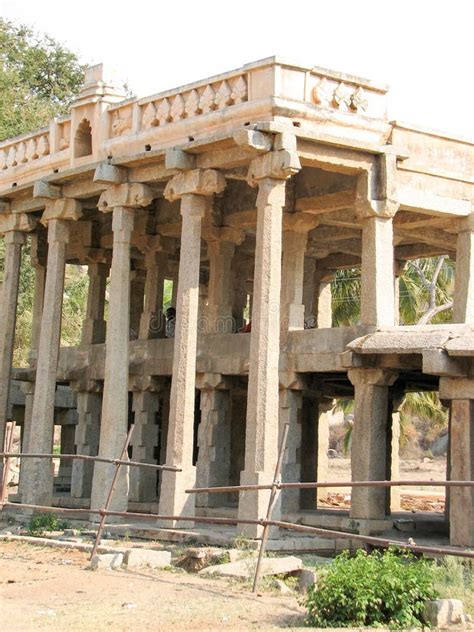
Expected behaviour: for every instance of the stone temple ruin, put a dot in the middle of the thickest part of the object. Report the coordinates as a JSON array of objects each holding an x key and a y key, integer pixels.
[{"x": 249, "y": 191}]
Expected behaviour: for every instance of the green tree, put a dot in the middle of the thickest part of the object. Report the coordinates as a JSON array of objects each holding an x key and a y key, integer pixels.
[
  {"x": 426, "y": 289},
  {"x": 38, "y": 79}
]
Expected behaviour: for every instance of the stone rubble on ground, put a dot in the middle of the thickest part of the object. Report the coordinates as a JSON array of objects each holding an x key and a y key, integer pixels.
[
  {"x": 442, "y": 613},
  {"x": 246, "y": 567},
  {"x": 111, "y": 561},
  {"x": 136, "y": 558}
]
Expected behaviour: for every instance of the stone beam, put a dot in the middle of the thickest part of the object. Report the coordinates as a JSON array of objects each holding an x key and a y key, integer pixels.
[{"x": 326, "y": 203}]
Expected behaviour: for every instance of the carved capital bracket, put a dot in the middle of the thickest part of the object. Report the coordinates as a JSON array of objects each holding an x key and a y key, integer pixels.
[
  {"x": 128, "y": 195},
  {"x": 376, "y": 190},
  {"x": 179, "y": 159},
  {"x": 21, "y": 222},
  {"x": 222, "y": 234},
  {"x": 110, "y": 174},
  {"x": 211, "y": 381},
  {"x": 290, "y": 380},
  {"x": 67, "y": 209},
  {"x": 42, "y": 189},
  {"x": 253, "y": 140},
  {"x": 142, "y": 383},
  {"x": 86, "y": 385},
  {"x": 466, "y": 224},
  {"x": 204, "y": 182},
  {"x": 299, "y": 222},
  {"x": 279, "y": 165},
  {"x": 372, "y": 377}
]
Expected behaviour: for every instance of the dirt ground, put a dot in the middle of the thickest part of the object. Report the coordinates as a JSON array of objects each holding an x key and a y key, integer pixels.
[
  {"x": 45, "y": 589},
  {"x": 413, "y": 498}
]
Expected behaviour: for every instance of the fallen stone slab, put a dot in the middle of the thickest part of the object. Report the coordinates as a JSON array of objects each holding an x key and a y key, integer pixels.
[
  {"x": 246, "y": 567},
  {"x": 111, "y": 561},
  {"x": 137, "y": 558},
  {"x": 442, "y": 613}
]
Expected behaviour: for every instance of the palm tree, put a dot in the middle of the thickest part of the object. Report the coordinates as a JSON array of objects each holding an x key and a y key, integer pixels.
[{"x": 425, "y": 291}]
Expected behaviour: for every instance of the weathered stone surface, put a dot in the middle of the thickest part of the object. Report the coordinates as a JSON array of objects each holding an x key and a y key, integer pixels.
[
  {"x": 136, "y": 558},
  {"x": 306, "y": 579},
  {"x": 111, "y": 561},
  {"x": 442, "y": 613},
  {"x": 246, "y": 567}
]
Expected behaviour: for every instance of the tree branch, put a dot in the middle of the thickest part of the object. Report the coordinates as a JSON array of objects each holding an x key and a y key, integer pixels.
[{"x": 433, "y": 311}]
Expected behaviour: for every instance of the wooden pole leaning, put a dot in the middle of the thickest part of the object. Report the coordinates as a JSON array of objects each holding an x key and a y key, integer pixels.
[
  {"x": 271, "y": 504},
  {"x": 106, "y": 507}
]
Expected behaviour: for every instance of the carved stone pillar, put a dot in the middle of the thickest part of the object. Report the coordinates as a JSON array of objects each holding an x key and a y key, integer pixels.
[
  {"x": 93, "y": 330},
  {"x": 121, "y": 199},
  {"x": 38, "y": 254},
  {"x": 137, "y": 296},
  {"x": 295, "y": 239},
  {"x": 38, "y": 474},
  {"x": 370, "y": 460},
  {"x": 145, "y": 439},
  {"x": 213, "y": 465},
  {"x": 460, "y": 458},
  {"x": 152, "y": 323},
  {"x": 219, "y": 311},
  {"x": 463, "y": 309},
  {"x": 290, "y": 402},
  {"x": 261, "y": 442},
  {"x": 377, "y": 270},
  {"x": 193, "y": 188},
  {"x": 14, "y": 240},
  {"x": 89, "y": 403}
]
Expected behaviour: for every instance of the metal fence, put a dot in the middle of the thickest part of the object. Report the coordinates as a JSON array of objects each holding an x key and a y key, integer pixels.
[{"x": 266, "y": 523}]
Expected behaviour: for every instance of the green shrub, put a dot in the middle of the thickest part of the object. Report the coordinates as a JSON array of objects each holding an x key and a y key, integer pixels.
[
  {"x": 40, "y": 523},
  {"x": 371, "y": 590}
]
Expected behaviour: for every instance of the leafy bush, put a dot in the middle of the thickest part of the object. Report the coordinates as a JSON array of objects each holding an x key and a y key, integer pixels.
[
  {"x": 40, "y": 523},
  {"x": 387, "y": 588}
]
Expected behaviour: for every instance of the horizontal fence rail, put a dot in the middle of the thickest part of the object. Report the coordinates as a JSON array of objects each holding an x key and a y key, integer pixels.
[
  {"x": 275, "y": 487},
  {"x": 86, "y": 457}
]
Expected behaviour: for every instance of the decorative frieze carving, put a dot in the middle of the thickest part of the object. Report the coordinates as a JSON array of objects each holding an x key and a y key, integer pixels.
[{"x": 340, "y": 96}]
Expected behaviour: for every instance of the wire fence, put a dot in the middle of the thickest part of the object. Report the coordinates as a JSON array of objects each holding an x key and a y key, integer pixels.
[{"x": 266, "y": 523}]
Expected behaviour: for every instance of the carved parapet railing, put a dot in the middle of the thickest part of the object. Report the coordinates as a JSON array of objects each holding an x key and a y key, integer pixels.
[
  {"x": 102, "y": 125},
  {"x": 24, "y": 149}
]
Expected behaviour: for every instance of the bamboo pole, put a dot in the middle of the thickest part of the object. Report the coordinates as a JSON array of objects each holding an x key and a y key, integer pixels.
[
  {"x": 10, "y": 430},
  {"x": 271, "y": 504},
  {"x": 111, "y": 490},
  {"x": 86, "y": 457}
]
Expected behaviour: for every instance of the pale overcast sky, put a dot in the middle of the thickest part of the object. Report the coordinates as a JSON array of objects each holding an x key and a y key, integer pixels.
[{"x": 422, "y": 48}]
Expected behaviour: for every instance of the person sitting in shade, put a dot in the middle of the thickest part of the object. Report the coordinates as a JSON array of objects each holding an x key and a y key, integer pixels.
[{"x": 170, "y": 322}]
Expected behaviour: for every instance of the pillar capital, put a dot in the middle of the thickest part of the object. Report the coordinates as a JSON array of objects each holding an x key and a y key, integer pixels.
[
  {"x": 376, "y": 190},
  {"x": 372, "y": 377},
  {"x": 16, "y": 223},
  {"x": 128, "y": 195},
  {"x": 199, "y": 182},
  {"x": 211, "y": 381},
  {"x": 466, "y": 224},
  {"x": 278, "y": 165},
  {"x": 223, "y": 234},
  {"x": 299, "y": 222},
  {"x": 67, "y": 209}
]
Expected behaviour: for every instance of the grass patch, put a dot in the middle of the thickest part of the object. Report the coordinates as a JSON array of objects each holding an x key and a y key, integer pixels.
[{"x": 455, "y": 580}]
